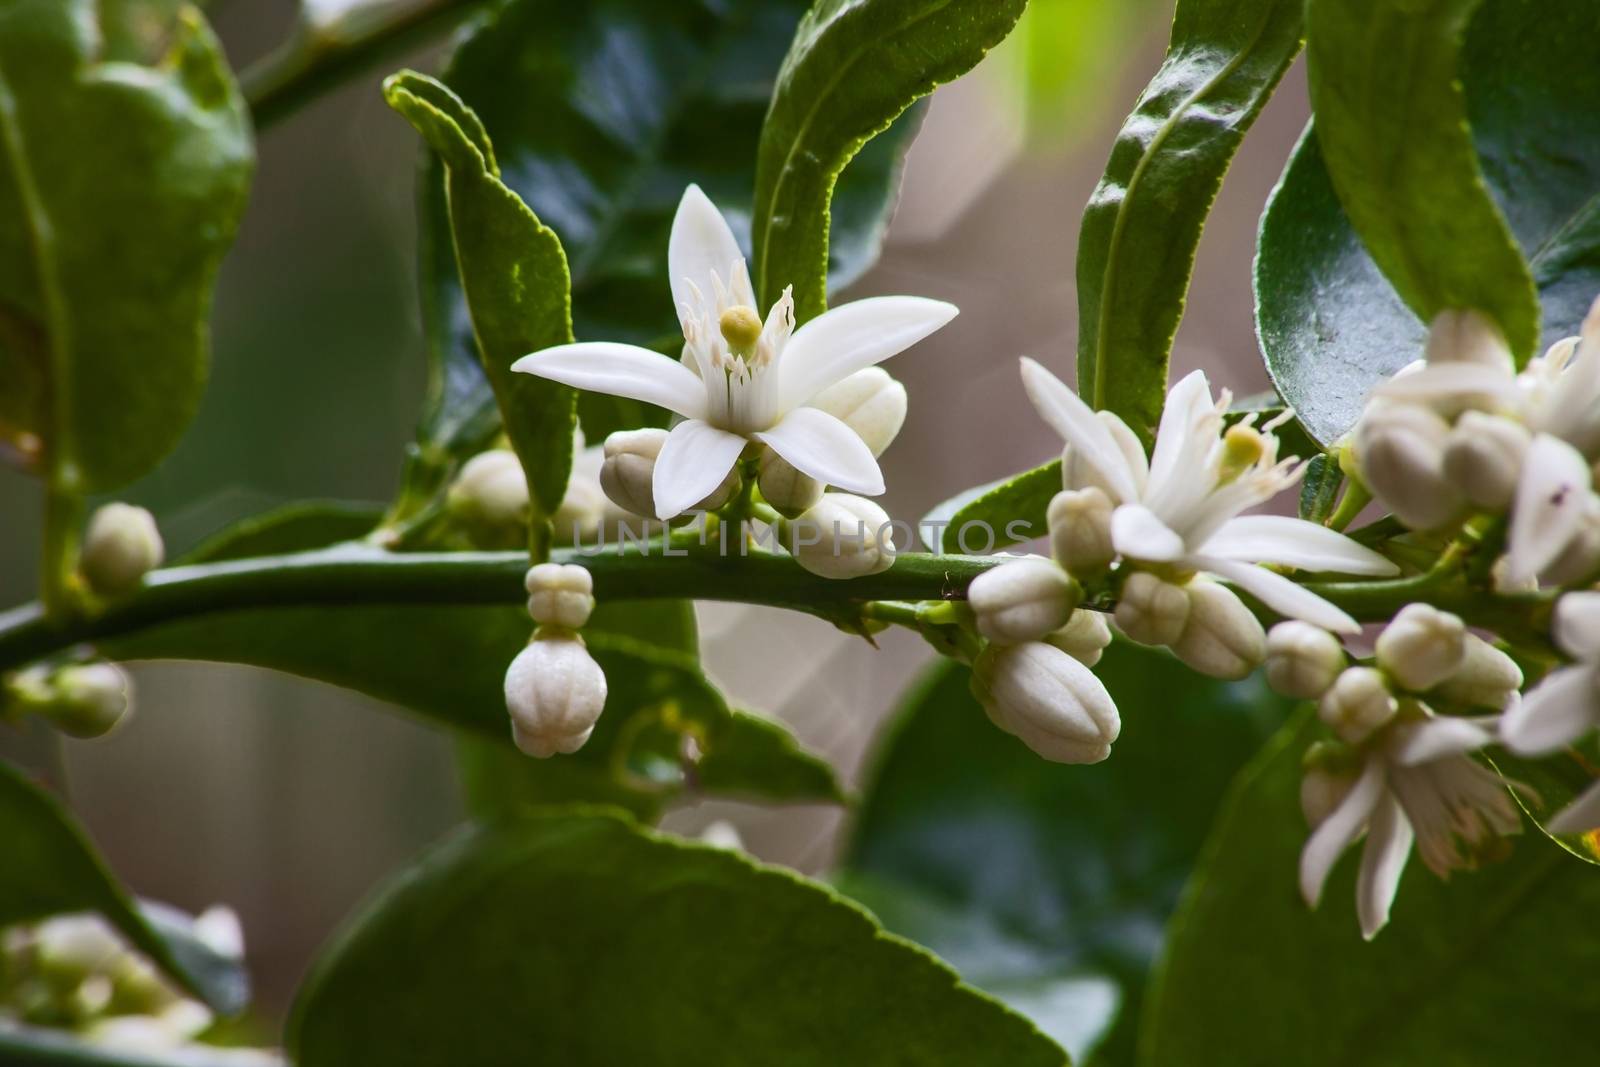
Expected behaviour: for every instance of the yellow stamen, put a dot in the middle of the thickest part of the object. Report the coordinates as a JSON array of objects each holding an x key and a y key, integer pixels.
[
  {"x": 741, "y": 328},
  {"x": 1242, "y": 448}
]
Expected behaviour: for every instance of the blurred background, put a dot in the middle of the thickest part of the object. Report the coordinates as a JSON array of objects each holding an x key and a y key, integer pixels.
[{"x": 289, "y": 800}]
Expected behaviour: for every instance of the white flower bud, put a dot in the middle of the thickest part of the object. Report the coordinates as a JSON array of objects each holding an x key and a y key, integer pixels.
[
  {"x": 490, "y": 498},
  {"x": 1400, "y": 449},
  {"x": 1487, "y": 677},
  {"x": 1221, "y": 637},
  {"x": 843, "y": 536},
  {"x": 785, "y": 488},
  {"x": 555, "y": 692},
  {"x": 1463, "y": 335},
  {"x": 1022, "y": 600},
  {"x": 870, "y": 402},
  {"x": 1302, "y": 660},
  {"x": 75, "y": 946},
  {"x": 583, "y": 509},
  {"x": 1085, "y": 636},
  {"x": 1049, "y": 700},
  {"x": 1483, "y": 458},
  {"x": 1580, "y": 559},
  {"x": 628, "y": 474},
  {"x": 1358, "y": 703},
  {"x": 1151, "y": 611},
  {"x": 120, "y": 546},
  {"x": 1080, "y": 531},
  {"x": 89, "y": 699},
  {"x": 559, "y": 594},
  {"x": 1422, "y": 646},
  {"x": 1322, "y": 790}
]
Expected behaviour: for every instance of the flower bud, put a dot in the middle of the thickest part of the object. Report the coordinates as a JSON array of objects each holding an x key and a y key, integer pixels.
[
  {"x": 583, "y": 510},
  {"x": 560, "y": 594},
  {"x": 785, "y": 488},
  {"x": 1400, "y": 448},
  {"x": 1322, "y": 790},
  {"x": 120, "y": 546},
  {"x": 1022, "y": 600},
  {"x": 1151, "y": 611},
  {"x": 90, "y": 699},
  {"x": 555, "y": 692},
  {"x": 1358, "y": 703},
  {"x": 1464, "y": 335},
  {"x": 870, "y": 402},
  {"x": 1049, "y": 700},
  {"x": 1580, "y": 559},
  {"x": 1302, "y": 660},
  {"x": 628, "y": 473},
  {"x": 1421, "y": 647},
  {"x": 1483, "y": 458},
  {"x": 1080, "y": 531},
  {"x": 843, "y": 536},
  {"x": 1085, "y": 636},
  {"x": 1487, "y": 677},
  {"x": 1221, "y": 637},
  {"x": 71, "y": 947},
  {"x": 490, "y": 498}
]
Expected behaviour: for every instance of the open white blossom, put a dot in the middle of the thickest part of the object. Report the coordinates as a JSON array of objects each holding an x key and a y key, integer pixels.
[
  {"x": 1179, "y": 511},
  {"x": 1416, "y": 785},
  {"x": 742, "y": 379}
]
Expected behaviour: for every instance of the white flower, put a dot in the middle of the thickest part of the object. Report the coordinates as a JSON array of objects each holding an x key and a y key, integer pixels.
[
  {"x": 740, "y": 379},
  {"x": 1566, "y": 705},
  {"x": 1181, "y": 509},
  {"x": 1416, "y": 785}
]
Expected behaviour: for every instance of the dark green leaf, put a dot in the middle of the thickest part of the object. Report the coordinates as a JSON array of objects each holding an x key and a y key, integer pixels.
[
  {"x": 1137, "y": 243},
  {"x": 854, "y": 66},
  {"x": 635, "y": 99},
  {"x": 575, "y": 938},
  {"x": 296, "y": 527},
  {"x": 1319, "y": 490},
  {"x": 1556, "y": 781},
  {"x": 1044, "y": 884},
  {"x": 1331, "y": 326},
  {"x": 996, "y": 515},
  {"x": 50, "y": 869},
  {"x": 1392, "y": 126},
  {"x": 1497, "y": 966},
  {"x": 125, "y": 155},
  {"x": 514, "y": 274}
]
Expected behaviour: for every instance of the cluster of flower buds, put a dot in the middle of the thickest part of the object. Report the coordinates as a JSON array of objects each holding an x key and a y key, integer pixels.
[
  {"x": 1461, "y": 432},
  {"x": 555, "y": 691},
  {"x": 75, "y": 972},
  {"x": 120, "y": 546},
  {"x": 80, "y": 699}
]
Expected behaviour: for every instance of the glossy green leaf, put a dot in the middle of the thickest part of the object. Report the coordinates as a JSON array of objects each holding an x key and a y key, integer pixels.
[
  {"x": 1009, "y": 511},
  {"x": 125, "y": 155},
  {"x": 1496, "y": 966},
  {"x": 296, "y": 527},
  {"x": 447, "y": 664},
  {"x": 1319, "y": 489},
  {"x": 1330, "y": 324},
  {"x": 51, "y": 869},
  {"x": 1556, "y": 781},
  {"x": 1049, "y": 885},
  {"x": 514, "y": 275},
  {"x": 601, "y": 113},
  {"x": 574, "y": 937},
  {"x": 1137, "y": 244},
  {"x": 1392, "y": 127},
  {"x": 854, "y": 66}
]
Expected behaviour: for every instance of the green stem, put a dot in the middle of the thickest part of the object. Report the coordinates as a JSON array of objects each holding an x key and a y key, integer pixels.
[{"x": 63, "y": 518}]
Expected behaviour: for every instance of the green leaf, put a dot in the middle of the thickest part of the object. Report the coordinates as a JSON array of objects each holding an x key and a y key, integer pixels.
[
  {"x": 1495, "y": 966},
  {"x": 514, "y": 274},
  {"x": 125, "y": 156},
  {"x": 853, "y": 67},
  {"x": 1015, "y": 505},
  {"x": 1392, "y": 125},
  {"x": 1331, "y": 326},
  {"x": 1556, "y": 781},
  {"x": 1048, "y": 885},
  {"x": 1137, "y": 244},
  {"x": 51, "y": 869},
  {"x": 635, "y": 100},
  {"x": 1319, "y": 489},
  {"x": 587, "y": 940},
  {"x": 296, "y": 527}
]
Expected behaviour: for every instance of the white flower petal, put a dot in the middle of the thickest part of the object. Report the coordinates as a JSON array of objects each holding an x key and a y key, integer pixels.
[
  {"x": 1280, "y": 594},
  {"x": 693, "y": 462},
  {"x": 852, "y": 337},
  {"x": 1577, "y": 625},
  {"x": 818, "y": 444},
  {"x": 1443, "y": 382},
  {"x": 1571, "y": 406},
  {"x": 1137, "y": 532},
  {"x": 1180, "y": 450},
  {"x": 1579, "y": 817},
  {"x": 1335, "y": 833},
  {"x": 1549, "y": 507},
  {"x": 1128, "y": 443},
  {"x": 1296, "y": 543},
  {"x": 1077, "y": 424},
  {"x": 1436, "y": 738},
  {"x": 1554, "y": 713},
  {"x": 621, "y": 370},
  {"x": 1383, "y": 861},
  {"x": 701, "y": 244}
]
